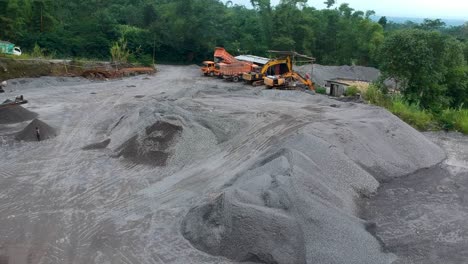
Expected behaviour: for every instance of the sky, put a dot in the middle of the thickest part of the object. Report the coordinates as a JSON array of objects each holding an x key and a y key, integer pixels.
[{"x": 455, "y": 9}]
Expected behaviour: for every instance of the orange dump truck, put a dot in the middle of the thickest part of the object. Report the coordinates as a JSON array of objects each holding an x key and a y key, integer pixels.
[
  {"x": 221, "y": 57},
  {"x": 234, "y": 71}
]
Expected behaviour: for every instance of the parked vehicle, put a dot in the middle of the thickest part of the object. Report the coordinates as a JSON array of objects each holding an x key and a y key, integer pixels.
[
  {"x": 9, "y": 48},
  {"x": 209, "y": 68},
  {"x": 272, "y": 67},
  {"x": 221, "y": 57},
  {"x": 234, "y": 71}
]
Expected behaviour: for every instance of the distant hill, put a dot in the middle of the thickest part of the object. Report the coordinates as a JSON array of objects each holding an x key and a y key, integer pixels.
[{"x": 449, "y": 22}]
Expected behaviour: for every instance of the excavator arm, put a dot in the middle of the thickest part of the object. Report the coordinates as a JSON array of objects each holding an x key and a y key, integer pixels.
[
  {"x": 305, "y": 81},
  {"x": 288, "y": 80}
]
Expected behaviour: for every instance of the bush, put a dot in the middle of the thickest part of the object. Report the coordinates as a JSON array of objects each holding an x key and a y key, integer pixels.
[
  {"x": 321, "y": 90},
  {"x": 119, "y": 51},
  {"x": 141, "y": 59},
  {"x": 412, "y": 114},
  {"x": 352, "y": 91},
  {"x": 37, "y": 52},
  {"x": 454, "y": 119},
  {"x": 375, "y": 96},
  {"x": 449, "y": 119}
]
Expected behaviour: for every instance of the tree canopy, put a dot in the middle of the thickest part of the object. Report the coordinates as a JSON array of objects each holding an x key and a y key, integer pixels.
[{"x": 188, "y": 30}]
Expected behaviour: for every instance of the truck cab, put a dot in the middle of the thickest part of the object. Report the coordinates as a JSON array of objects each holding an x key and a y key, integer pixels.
[
  {"x": 208, "y": 68},
  {"x": 17, "y": 51}
]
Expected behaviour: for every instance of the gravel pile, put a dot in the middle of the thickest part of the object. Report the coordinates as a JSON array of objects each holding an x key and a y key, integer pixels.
[
  {"x": 322, "y": 73},
  {"x": 153, "y": 147},
  {"x": 29, "y": 132},
  {"x": 15, "y": 114}
]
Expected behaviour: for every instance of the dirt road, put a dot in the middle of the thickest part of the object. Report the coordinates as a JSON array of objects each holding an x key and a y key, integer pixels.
[{"x": 239, "y": 174}]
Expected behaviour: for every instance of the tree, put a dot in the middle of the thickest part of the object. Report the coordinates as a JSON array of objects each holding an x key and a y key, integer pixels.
[
  {"x": 370, "y": 13},
  {"x": 422, "y": 62},
  {"x": 383, "y": 21},
  {"x": 329, "y": 3},
  {"x": 429, "y": 24}
]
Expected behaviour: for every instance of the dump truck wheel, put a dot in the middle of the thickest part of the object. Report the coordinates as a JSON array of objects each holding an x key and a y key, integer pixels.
[
  {"x": 211, "y": 74},
  {"x": 235, "y": 79}
]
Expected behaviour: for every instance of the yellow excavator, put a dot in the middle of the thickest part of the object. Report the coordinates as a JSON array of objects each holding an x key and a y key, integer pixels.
[
  {"x": 273, "y": 67},
  {"x": 291, "y": 79}
]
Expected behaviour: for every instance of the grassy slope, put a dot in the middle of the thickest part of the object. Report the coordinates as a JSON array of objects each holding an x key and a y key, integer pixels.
[{"x": 449, "y": 119}]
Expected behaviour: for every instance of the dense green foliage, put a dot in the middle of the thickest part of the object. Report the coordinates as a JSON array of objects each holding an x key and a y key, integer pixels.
[
  {"x": 413, "y": 114},
  {"x": 429, "y": 67},
  {"x": 188, "y": 30},
  {"x": 429, "y": 63}
]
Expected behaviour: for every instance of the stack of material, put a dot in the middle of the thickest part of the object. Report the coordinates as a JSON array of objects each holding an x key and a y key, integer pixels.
[
  {"x": 29, "y": 132},
  {"x": 15, "y": 114}
]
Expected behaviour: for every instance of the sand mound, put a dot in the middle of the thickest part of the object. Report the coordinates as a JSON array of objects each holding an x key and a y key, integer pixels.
[
  {"x": 322, "y": 73},
  {"x": 99, "y": 145},
  {"x": 238, "y": 225},
  {"x": 298, "y": 198},
  {"x": 153, "y": 147},
  {"x": 15, "y": 114},
  {"x": 29, "y": 132}
]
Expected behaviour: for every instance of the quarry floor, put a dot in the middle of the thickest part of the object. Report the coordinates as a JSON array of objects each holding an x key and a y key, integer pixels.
[
  {"x": 423, "y": 217},
  {"x": 60, "y": 203}
]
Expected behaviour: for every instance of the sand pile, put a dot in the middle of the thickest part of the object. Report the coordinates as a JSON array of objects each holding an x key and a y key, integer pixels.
[
  {"x": 296, "y": 202},
  {"x": 286, "y": 207},
  {"x": 153, "y": 147},
  {"x": 322, "y": 73},
  {"x": 165, "y": 134},
  {"x": 15, "y": 114},
  {"x": 29, "y": 132},
  {"x": 238, "y": 225}
]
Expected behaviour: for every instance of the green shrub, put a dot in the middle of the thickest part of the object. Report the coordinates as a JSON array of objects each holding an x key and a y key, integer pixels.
[
  {"x": 449, "y": 119},
  {"x": 38, "y": 52},
  {"x": 142, "y": 59},
  {"x": 412, "y": 114},
  {"x": 321, "y": 90},
  {"x": 119, "y": 51},
  {"x": 454, "y": 119},
  {"x": 375, "y": 96},
  {"x": 352, "y": 91}
]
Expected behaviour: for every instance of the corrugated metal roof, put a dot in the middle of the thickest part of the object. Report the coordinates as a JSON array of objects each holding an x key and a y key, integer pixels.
[{"x": 254, "y": 59}]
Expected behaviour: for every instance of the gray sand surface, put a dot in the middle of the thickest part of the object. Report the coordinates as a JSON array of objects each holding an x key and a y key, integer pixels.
[
  {"x": 423, "y": 217},
  {"x": 199, "y": 171}
]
